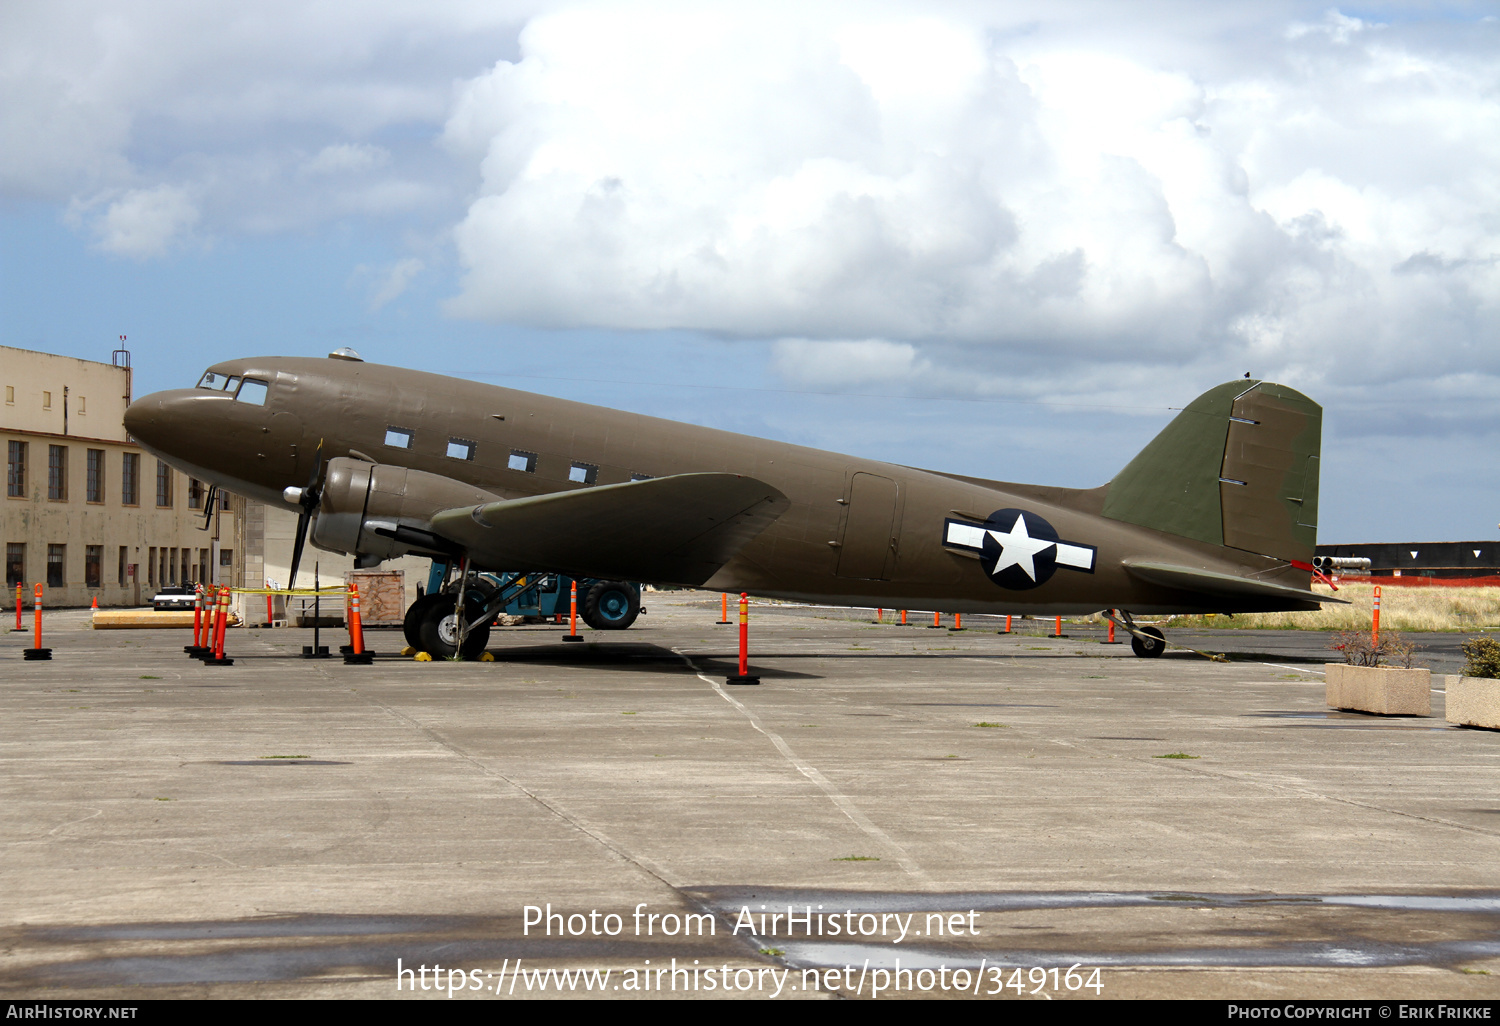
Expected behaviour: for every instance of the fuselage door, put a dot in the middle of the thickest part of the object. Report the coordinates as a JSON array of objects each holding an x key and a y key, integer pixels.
[{"x": 868, "y": 546}]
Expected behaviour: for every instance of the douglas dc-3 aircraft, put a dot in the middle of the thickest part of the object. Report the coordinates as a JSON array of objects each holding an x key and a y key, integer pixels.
[{"x": 1217, "y": 514}]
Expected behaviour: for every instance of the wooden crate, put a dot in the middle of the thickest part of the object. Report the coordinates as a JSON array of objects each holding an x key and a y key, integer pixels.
[{"x": 382, "y": 596}]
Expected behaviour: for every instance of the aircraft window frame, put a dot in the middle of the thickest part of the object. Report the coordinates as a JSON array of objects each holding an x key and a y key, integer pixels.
[
  {"x": 527, "y": 461},
  {"x": 583, "y": 473},
  {"x": 468, "y": 447},
  {"x": 216, "y": 385},
  {"x": 407, "y": 433},
  {"x": 253, "y": 385},
  {"x": 232, "y": 385}
]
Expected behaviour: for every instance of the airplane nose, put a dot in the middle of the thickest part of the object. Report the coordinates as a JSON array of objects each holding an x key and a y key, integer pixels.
[{"x": 160, "y": 419}]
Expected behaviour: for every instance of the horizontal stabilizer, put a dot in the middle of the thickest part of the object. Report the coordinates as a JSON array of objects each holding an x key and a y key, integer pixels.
[
  {"x": 1186, "y": 578},
  {"x": 666, "y": 530}
]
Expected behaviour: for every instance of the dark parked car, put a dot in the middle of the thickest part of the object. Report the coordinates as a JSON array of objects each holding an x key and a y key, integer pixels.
[{"x": 174, "y": 597}]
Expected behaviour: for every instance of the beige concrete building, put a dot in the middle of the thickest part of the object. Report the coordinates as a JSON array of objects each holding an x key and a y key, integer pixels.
[{"x": 87, "y": 513}]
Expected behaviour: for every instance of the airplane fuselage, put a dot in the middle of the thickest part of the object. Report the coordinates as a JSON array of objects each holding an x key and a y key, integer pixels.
[{"x": 857, "y": 532}]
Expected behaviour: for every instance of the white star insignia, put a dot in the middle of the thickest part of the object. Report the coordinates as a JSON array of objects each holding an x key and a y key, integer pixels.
[{"x": 1017, "y": 548}]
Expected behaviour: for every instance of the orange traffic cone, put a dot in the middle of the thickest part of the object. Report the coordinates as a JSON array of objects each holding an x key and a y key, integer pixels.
[{"x": 96, "y": 601}]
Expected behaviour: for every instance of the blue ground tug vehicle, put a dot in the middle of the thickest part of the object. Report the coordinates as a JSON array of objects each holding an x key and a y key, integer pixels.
[{"x": 603, "y": 605}]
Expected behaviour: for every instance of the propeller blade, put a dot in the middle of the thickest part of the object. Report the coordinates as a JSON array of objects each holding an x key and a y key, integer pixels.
[{"x": 303, "y": 519}]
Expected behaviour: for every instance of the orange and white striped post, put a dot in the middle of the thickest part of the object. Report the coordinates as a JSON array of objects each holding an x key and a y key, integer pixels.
[
  {"x": 903, "y": 618},
  {"x": 18, "y": 607},
  {"x": 1058, "y": 633},
  {"x": 1007, "y": 623},
  {"x": 744, "y": 676},
  {"x": 196, "y": 647},
  {"x": 1374, "y": 627},
  {"x": 723, "y": 609},
  {"x": 223, "y": 622},
  {"x": 958, "y": 622},
  {"x": 37, "y": 651},
  {"x": 572, "y": 634}
]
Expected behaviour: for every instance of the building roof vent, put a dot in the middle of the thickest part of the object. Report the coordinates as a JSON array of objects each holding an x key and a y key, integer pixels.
[{"x": 346, "y": 353}]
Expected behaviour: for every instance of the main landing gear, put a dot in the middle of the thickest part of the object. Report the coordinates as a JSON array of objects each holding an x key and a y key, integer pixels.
[
  {"x": 431, "y": 626},
  {"x": 1146, "y": 642}
]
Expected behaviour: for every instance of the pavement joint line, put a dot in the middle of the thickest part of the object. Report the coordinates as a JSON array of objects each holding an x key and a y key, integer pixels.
[
  {"x": 840, "y": 801},
  {"x": 641, "y": 862}
]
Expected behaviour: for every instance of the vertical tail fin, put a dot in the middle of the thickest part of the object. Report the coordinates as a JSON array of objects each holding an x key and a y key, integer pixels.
[{"x": 1238, "y": 467}]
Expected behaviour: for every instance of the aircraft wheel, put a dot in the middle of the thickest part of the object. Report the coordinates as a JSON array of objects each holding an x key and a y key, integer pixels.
[
  {"x": 438, "y": 631},
  {"x": 411, "y": 625},
  {"x": 1151, "y": 646},
  {"x": 611, "y": 606}
]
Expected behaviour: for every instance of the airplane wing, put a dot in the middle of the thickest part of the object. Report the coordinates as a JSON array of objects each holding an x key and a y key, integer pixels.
[
  {"x": 1188, "y": 578},
  {"x": 668, "y": 530}
]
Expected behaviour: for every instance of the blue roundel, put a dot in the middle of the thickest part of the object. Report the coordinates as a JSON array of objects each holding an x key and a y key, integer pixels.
[{"x": 1019, "y": 550}]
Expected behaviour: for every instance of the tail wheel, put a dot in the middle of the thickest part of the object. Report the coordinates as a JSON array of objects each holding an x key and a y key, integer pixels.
[
  {"x": 611, "y": 606},
  {"x": 1149, "y": 643},
  {"x": 437, "y": 629}
]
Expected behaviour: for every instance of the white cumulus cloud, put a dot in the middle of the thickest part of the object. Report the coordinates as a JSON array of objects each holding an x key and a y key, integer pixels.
[{"x": 146, "y": 222}]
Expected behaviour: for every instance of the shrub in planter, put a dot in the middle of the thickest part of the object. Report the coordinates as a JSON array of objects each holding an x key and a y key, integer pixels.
[{"x": 1484, "y": 657}]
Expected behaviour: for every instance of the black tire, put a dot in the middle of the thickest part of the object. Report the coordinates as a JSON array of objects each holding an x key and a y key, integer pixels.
[
  {"x": 1149, "y": 647},
  {"x": 611, "y": 606},
  {"x": 410, "y": 626},
  {"x": 435, "y": 630}
]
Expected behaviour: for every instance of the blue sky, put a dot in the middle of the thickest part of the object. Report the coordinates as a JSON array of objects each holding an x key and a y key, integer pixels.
[{"x": 1014, "y": 236}]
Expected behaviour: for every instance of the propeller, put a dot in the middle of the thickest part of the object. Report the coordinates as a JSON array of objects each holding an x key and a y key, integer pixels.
[
  {"x": 208, "y": 506},
  {"x": 307, "y": 498}
]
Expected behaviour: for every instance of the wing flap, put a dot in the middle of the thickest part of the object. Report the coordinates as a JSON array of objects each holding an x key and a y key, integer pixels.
[
  {"x": 666, "y": 530},
  {"x": 1188, "y": 578}
]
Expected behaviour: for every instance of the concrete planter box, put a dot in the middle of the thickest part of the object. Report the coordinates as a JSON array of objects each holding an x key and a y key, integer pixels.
[
  {"x": 1380, "y": 689},
  {"x": 1473, "y": 701}
]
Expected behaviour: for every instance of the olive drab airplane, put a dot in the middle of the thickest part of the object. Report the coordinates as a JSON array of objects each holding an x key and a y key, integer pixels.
[{"x": 1217, "y": 514}]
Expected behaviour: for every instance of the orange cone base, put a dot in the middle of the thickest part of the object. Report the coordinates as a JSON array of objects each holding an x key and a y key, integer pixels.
[
  {"x": 43, "y": 653},
  {"x": 359, "y": 658},
  {"x": 745, "y": 679},
  {"x": 572, "y": 637}
]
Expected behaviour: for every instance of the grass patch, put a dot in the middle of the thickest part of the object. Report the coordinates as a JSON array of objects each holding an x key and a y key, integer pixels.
[
  {"x": 856, "y": 858},
  {"x": 286, "y": 757},
  {"x": 147, "y": 676},
  {"x": 1402, "y": 608},
  {"x": 982, "y": 723},
  {"x": 163, "y": 799},
  {"x": 1475, "y": 972},
  {"x": 773, "y": 952},
  {"x": 1176, "y": 755},
  {"x": 628, "y": 714}
]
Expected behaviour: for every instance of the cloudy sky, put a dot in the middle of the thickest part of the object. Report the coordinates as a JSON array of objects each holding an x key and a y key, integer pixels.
[{"x": 1003, "y": 239}]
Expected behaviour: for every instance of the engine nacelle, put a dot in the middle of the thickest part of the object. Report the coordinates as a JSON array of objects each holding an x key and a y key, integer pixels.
[{"x": 383, "y": 511}]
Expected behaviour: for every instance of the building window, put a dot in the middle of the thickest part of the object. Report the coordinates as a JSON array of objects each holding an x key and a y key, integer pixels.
[
  {"x": 93, "y": 565},
  {"x": 398, "y": 438},
  {"x": 187, "y": 567},
  {"x": 57, "y": 557},
  {"x": 523, "y": 461},
  {"x": 226, "y": 557},
  {"x": 96, "y": 475},
  {"x": 195, "y": 493},
  {"x": 124, "y": 557},
  {"x": 459, "y": 449},
  {"x": 162, "y": 565},
  {"x": 202, "y": 566},
  {"x": 163, "y": 484},
  {"x": 130, "y": 476},
  {"x": 583, "y": 473},
  {"x": 10, "y": 395},
  {"x": 15, "y": 563},
  {"x": 83, "y": 404},
  {"x": 15, "y": 476},
  {"x": 46, "y": 400},
  {"x": 57, "y": 473}
]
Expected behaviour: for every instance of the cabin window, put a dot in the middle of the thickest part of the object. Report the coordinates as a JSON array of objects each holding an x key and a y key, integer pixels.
[
  {"x": 640, "y": 477},
  {"x": 522, "y": 461},
  {"x": 460, "y": 449},
  {"x": 253, "y": 392},
  {"x": 398, "y": 438},
  {"x": 583, "y": 473}
]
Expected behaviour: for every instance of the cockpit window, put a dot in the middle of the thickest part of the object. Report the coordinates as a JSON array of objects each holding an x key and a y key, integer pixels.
[
  {"x": 253, "y": 392},
  {"x": 231, "y": 385},
  {"x": 213, "y": 381}
]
